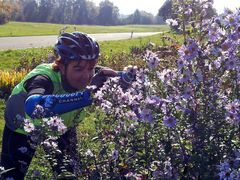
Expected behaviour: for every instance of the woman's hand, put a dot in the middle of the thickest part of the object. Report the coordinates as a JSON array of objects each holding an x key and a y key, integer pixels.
[{"x": 101, "y": 76}]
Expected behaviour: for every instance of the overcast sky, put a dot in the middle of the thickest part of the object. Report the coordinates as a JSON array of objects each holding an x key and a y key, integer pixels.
[{"x": 129, "y": 6}]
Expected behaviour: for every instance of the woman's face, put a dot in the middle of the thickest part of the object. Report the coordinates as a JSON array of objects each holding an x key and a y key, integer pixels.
[{"x": 79, "y": 73}]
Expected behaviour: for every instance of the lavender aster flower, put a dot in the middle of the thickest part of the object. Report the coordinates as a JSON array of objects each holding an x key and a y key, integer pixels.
[
  {"x": 131, "y": 115},
  {"x": 189, "y": 51},
  {"x": 38, "y": 112},
  {"x": 171, "y": 22},
  {"x": 28, "y": 126},
  {"x": 169, "y": 121},
  {"x": 146, "y": 115},
  {"x": 153, "y": 62},
  {"x": 114, "y": 154}
]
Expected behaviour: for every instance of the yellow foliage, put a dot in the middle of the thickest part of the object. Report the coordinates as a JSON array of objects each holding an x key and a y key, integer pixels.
[{"x": 9, "y": 79}]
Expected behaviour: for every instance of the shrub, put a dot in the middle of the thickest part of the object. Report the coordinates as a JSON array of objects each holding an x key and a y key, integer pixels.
[{"x": 8, "y": 80}]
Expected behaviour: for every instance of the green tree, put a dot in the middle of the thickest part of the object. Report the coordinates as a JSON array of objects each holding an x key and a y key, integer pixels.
[
  {"x": 166, "y": 10},
  {"x": 80, "y": 12},
  {"x": 108, "y": 13},
  {"x": 59, "y": 12},
  {"x": 140, "y": 17},
  {"x": 93, "y": 12},
  {"x": 30, "y": 10},
  {"x": 45, "y": 10}
]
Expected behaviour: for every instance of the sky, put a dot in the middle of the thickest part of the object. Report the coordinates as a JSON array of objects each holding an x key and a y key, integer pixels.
[{"x": 127, "y": 7}]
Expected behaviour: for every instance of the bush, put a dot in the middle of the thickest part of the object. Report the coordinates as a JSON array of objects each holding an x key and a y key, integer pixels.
[
  {"x": 175, "y": 123},
  {"x": 8, "y": 80}
]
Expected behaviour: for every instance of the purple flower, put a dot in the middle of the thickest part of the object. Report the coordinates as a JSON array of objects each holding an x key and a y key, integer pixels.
[
  {"x": 166, "y": 75},
  {"x": 233, "y": 118},
  {"x": 131, "y": 115},
  {"x": 56, "y": 123},
  {"x": 233, "y": 106},
  {"x": 171, "y": 22},
  {"x": 226, "y": 45},
  {"x": 169, "y": 121},
  {"x": 157, "y": 174},
  {"x": 231, "y": 63},
  {"x": 36, "y": 173},
  {"x": 153, "y": 100},
  {"x": 189, "y": 51},
  {"x": 153, "y": 62},
  {"x": 215, "y": 33},
  {"x": 141, "y": 76},
  {"x": 28, "y": 126},
  {"x": 188, "y": 92},
  {"x": 217, "y": 62},
  {"x": 224, "y": 168},
  {"x": 188, "y": 10},
  {"x": 106, "y": 106},
  {"x": 146, "y": 115},
  {"x": 198, "y": 77},
  {"x": 181, "y": 63},
  {"x": 231, "y": 20},
  {"x": 184, "y": 77},
  {"x": 38, "y": 111},
  {"x": 114, "y": 154}
]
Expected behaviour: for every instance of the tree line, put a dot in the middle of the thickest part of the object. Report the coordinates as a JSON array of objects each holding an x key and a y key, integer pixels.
[
  {"x": 71, "y": 12},
  {"x": 87, "y": 12}
]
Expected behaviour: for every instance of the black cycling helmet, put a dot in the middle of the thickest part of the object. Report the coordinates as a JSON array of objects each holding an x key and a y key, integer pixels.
[{"x": 76, "y": 46}]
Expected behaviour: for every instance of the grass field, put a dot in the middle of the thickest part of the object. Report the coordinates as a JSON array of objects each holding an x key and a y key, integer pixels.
[
  {"x": 11, "y": 58},
  {"x": 38, "y": 29}
]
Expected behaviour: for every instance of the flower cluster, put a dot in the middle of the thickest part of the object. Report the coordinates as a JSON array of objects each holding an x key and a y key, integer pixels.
[
  {"x": 233, "y": 112},
  {"x": 180, "y": 116},
  {"x": 229, "y": 169}
]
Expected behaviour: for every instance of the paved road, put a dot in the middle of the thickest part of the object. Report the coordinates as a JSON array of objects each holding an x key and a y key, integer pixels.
[{"x": 45, "y": 41}]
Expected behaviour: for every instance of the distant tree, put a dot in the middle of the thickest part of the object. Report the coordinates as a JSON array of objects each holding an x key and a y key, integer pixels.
[
  {"x": 6, "y": 10},
  {"x": 16, "y": 14},
  {"x": 30, "y": 10},
  {"x": 80, "y": 12},
  {"x": 146, "y": 18},
  {"x": 76, "y": 12},
  {"x": 166, "y": 10},
  {"x": 59, "y": 11},
  {"x": 108, "y": 13},
  {"x": 45, "y": 10},
  {"x": 158, "y": 20},
  {"x": 68, "y": 11},
  {"x": 139, "y": 17},
  {"x": 93, "y": 12},
  {"x": 136, "y": 17}
]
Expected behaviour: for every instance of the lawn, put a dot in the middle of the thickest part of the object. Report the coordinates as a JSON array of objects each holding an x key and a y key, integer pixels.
[
  {"x": 38, "y": 29},
  {"x": 11, "y": 58}
]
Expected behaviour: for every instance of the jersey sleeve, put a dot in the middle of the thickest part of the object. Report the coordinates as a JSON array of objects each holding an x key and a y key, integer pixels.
[{"x": 40, "y": 84}]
